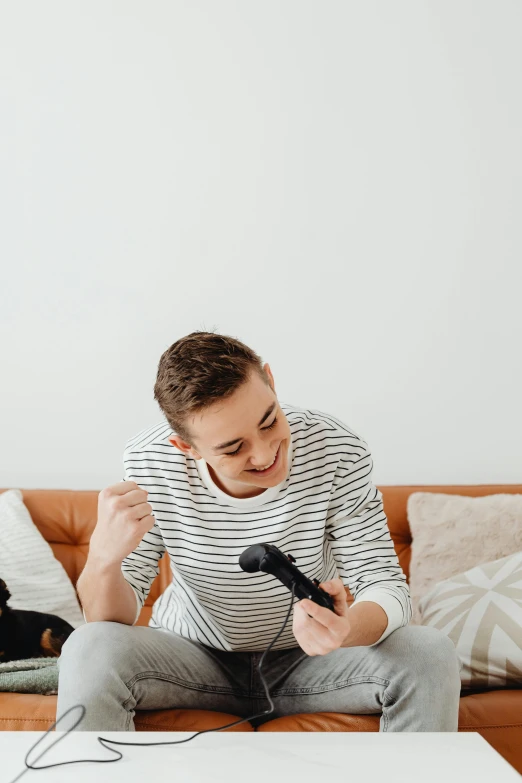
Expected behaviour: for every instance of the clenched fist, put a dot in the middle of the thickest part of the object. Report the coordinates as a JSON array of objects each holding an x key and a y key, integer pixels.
[{"x": 124, "y": 516}]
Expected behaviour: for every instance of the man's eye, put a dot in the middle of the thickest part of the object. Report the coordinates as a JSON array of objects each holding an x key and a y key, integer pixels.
[
  {"x": 233, "y": 453},
  {"x": 271, "y": 425}
]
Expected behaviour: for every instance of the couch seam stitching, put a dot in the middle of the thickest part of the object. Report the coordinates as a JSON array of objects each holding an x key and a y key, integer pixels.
[{"x": 343, "y": 714}]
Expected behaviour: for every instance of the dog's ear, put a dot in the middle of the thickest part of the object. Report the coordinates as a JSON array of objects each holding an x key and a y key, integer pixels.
[{"x": 5, "y": 595}]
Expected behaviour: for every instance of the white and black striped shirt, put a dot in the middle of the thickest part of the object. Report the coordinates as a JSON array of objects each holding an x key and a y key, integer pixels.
[{"x": 327, "y": 513}]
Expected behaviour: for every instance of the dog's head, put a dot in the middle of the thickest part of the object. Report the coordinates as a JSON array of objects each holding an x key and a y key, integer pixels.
[{"x": 5, "y": 595}]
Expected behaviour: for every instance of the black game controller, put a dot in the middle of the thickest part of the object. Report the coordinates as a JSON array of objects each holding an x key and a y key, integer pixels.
[{"x": 270, "y": 559}]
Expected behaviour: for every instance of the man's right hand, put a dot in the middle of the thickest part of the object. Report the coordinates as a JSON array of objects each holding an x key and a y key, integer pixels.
[{"x": 124, "y": 516}]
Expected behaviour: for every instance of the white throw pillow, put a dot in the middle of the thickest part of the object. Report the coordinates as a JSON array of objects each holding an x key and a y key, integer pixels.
[
  {"x": 481, "y": 612},
  {"x": 35, "y": 578},
  {"x": 451, "y": 533}
]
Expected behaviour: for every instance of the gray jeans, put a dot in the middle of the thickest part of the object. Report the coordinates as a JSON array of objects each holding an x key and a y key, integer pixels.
[{"x": 412, "y": 678}]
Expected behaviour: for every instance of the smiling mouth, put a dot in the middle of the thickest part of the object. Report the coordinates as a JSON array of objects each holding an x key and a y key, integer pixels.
[{"x": 270, "y": 469}]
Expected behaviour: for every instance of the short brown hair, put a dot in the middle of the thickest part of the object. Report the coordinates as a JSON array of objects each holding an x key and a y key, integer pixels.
[{"x": 198, "y": 370}]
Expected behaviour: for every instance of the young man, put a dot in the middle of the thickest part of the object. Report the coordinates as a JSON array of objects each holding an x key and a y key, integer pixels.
[{"x": 230, "y": 467}]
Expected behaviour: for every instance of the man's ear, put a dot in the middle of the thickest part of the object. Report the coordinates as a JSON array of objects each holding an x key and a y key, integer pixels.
[
  {"x": 268, "y": 371},
  {"x": 183, "y": 446}
]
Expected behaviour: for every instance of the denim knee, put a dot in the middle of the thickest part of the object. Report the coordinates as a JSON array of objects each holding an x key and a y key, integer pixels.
[
  {"x": 426, "y": 647},
  {"x": 92, "y": 641}
]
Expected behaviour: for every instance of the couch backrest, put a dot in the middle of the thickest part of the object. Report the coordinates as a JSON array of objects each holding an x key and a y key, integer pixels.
[{"x": 66, "y": 519}]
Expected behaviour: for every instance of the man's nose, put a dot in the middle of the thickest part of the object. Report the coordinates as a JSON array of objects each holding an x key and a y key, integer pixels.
[{"x": 262, "y": 458}]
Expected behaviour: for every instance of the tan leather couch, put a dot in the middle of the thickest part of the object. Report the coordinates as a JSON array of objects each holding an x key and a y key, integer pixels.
[{"x": 66, "y": 519}]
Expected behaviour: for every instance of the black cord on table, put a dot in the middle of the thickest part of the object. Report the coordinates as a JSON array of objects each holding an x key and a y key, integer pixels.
[{"x": 103, "y": 740}]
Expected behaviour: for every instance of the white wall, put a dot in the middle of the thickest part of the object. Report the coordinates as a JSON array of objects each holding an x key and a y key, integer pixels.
[{"x": 338, "y": 184}]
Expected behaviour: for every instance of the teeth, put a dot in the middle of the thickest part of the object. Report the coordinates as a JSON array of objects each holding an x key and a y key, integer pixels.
[{"x": 267, "y": 466}]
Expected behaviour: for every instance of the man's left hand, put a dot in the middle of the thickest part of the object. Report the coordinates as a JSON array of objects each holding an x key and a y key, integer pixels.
[{"x": 319, "y": 630}]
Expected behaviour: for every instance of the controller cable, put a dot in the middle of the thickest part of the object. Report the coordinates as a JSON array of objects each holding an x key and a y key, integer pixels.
[{"x": 103, "y": 740}]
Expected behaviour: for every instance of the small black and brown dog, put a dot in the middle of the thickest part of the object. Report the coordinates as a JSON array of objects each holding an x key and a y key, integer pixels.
[{"x": 26, "y": 634}]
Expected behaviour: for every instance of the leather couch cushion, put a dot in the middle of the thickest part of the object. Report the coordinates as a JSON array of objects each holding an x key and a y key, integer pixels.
[
  {"x": 32, "y": 712},
  {"x": 483, "y": 709}
]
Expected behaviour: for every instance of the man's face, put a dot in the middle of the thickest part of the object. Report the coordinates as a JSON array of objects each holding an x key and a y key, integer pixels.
[{"x": 238, "y": 435}]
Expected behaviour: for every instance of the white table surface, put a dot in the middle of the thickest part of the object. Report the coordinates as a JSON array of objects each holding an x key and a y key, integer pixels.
[{"x": 292, "y": 757}]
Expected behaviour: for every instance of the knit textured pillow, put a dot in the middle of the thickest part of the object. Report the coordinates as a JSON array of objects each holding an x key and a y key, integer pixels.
[
  {"x": 481, "y": 611},
  {"x": 451, "y": 533}
]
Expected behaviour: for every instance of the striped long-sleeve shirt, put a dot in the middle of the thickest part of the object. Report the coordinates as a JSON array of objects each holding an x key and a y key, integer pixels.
[{"x": 327, "y": 513}]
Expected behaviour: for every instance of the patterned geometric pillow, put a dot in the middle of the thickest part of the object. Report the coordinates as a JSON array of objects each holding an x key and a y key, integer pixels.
[{"x": 481, "y": 611}]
